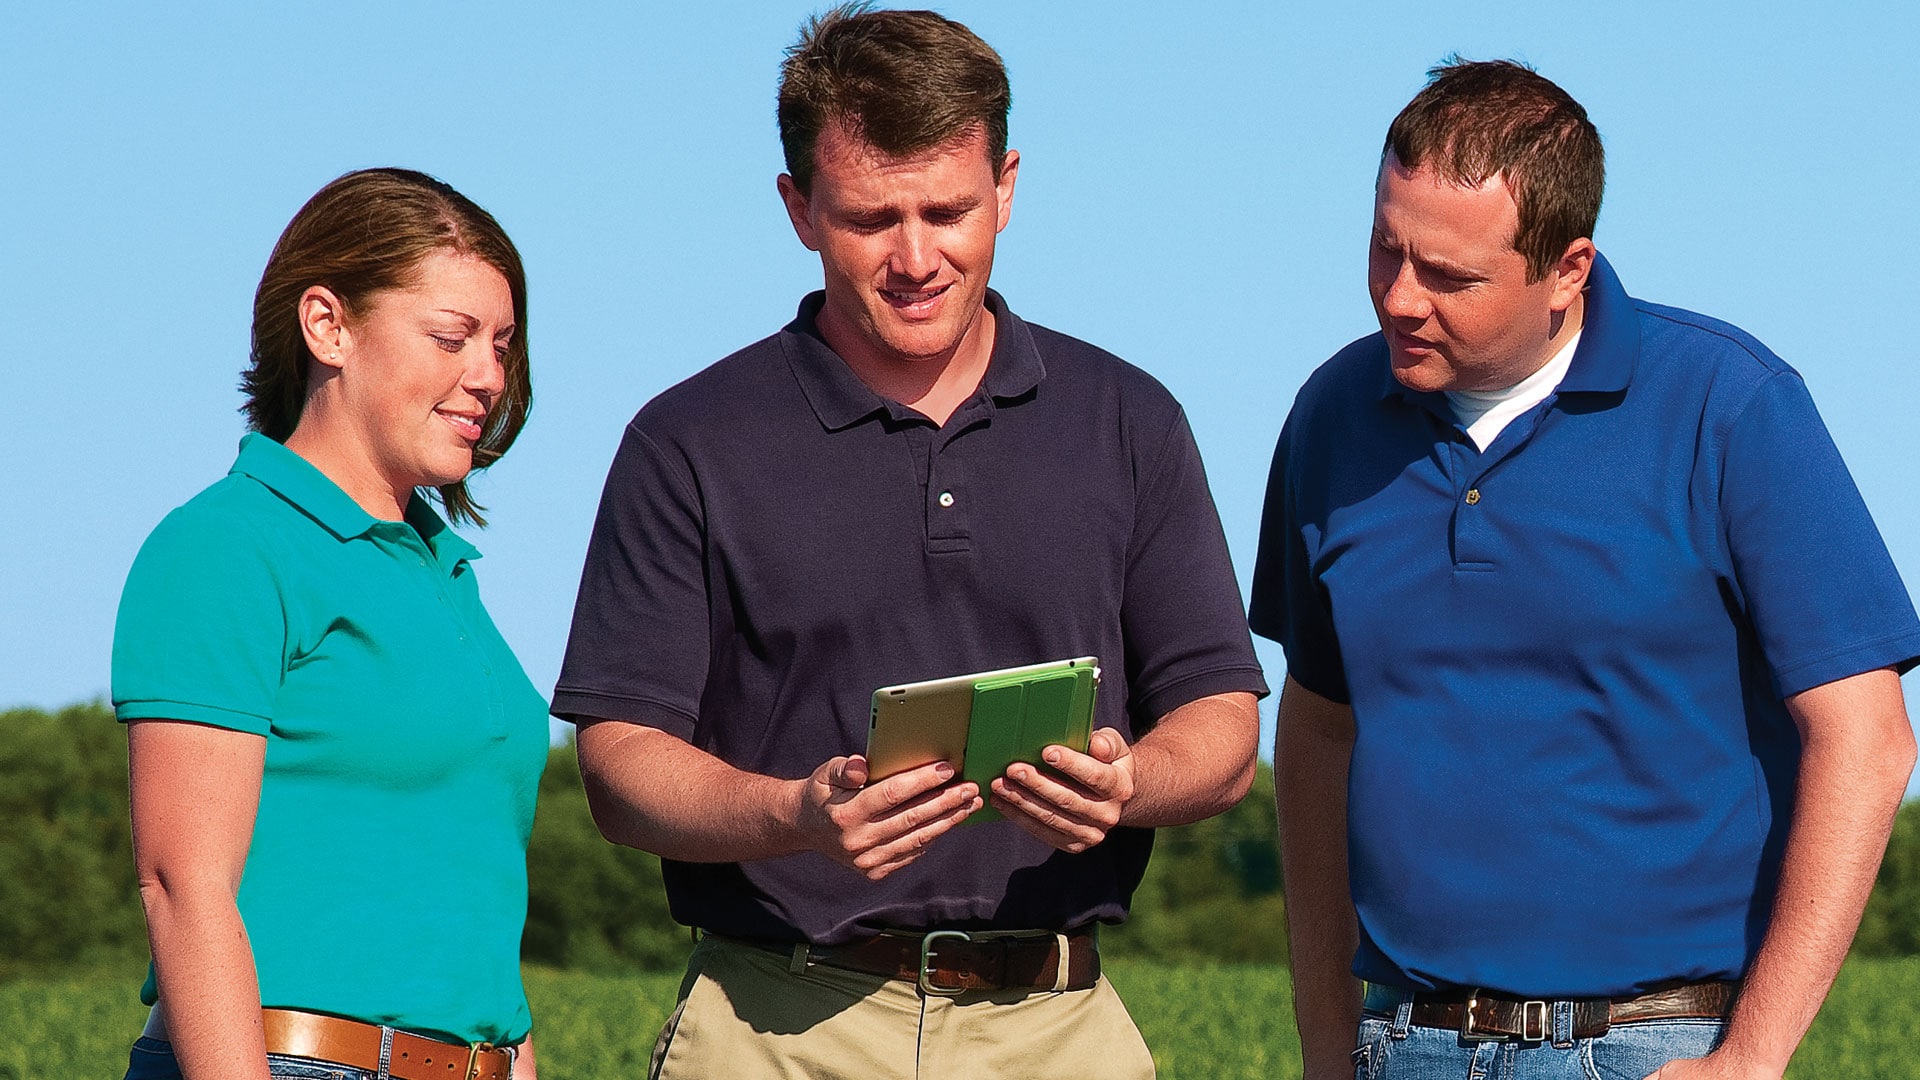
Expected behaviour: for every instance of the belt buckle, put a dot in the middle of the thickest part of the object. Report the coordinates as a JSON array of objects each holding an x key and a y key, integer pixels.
[
  {"x": 1529, "y": 1012},
  {"x": 474, "y": 1051},
  {"x": 927, "y": 985}
]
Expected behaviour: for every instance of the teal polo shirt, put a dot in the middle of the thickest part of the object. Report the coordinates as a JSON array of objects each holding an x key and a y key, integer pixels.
[{"x": 387, "y": 877}]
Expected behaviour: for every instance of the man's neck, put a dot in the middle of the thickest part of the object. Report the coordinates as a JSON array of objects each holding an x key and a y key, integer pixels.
[{"x": 932, "y": 386}]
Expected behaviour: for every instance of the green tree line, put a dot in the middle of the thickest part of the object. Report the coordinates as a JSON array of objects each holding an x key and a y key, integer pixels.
[{"x": 68, "y": 897}]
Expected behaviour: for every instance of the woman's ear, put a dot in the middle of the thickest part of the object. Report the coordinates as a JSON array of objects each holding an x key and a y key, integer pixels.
[{"x": 323, "y": 323}]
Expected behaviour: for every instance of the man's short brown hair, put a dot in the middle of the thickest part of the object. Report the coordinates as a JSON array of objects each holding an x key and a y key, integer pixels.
[
  {"x": 902, "y": 81},
  {"x": 1480, "y": 119}
]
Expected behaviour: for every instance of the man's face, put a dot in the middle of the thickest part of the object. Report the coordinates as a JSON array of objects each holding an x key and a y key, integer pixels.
[
  {"x": 906, "y": 243},
  {"x": 1450, "y": 291}
]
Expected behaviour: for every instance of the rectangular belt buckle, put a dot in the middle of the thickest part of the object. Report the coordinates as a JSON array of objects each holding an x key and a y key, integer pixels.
[
  {"x": 927, "y": 985},
  {"x": 1530, "y": 1012}
]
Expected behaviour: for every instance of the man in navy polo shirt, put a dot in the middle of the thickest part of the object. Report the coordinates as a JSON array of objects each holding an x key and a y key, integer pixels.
[
  {"x": 1592, "y": 733},
  {"x": 906, "y": 482}
]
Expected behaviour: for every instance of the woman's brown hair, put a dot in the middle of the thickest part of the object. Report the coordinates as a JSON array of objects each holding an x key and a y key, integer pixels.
[{"x": 364, "y": 233}]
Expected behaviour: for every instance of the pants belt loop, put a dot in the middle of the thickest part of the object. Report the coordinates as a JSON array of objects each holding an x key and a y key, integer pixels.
[
  {"x": 386, "y": 1053},
  {"x": 1562, "y": 1024},
  {"x": 797, "y": 965},
  {"x": 1060, "y": 974},
  {"x": 1402, "y": 1018}
]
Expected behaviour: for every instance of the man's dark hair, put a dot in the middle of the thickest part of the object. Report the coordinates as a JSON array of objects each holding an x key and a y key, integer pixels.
[
  {"x": 902, "y": 81},
  {"x": 1480, "y": 119}
]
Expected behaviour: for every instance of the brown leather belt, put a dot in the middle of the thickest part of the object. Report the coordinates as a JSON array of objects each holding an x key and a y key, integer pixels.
[
  {"x": 1481, "y": 1015},
  {"x": 350, "y": 1042},
  {"x": 949, "y": 962}
]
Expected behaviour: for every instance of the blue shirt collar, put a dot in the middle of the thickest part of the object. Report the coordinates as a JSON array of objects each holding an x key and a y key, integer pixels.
[
  {"x": 295, "y": 479},
  {"x": 841, "y": 400},
  {"x": 1603, "y": 363}
]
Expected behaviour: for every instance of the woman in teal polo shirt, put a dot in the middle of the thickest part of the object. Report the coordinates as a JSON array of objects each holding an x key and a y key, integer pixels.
[{"x": 334, "y": 753}]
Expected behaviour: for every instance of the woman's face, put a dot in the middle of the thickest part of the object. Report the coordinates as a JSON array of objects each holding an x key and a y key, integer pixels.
[{"x": 422, "y": 367}]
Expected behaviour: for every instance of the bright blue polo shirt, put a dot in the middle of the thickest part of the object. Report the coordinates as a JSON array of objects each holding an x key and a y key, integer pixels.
[
  {"x": 1566, "y": 655},
  {"x": 387, "y": 876}
]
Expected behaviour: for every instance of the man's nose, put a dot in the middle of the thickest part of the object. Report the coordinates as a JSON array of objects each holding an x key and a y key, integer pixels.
[
  {"x": 915, "y": 256},
  {"x": 1404, "y": 298}
]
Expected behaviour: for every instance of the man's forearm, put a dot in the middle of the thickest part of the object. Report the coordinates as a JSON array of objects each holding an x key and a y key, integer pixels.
[
  {"x": 652, "y": 791},
  {"x": 1198, "y": 761},
  {"x": 1856, "y": 757},
  {"x": 1312, "y": 751}
]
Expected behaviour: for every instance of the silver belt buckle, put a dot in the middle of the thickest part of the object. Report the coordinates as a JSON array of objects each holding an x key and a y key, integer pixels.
[
  {"x": 927, "y": 985},
  {"x": 1530, "y": 1011}
]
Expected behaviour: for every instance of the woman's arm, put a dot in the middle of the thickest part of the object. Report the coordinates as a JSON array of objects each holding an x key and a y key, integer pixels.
[
  {"x": 195, "y": 792},
  {"x": 523, "y": 1060}
]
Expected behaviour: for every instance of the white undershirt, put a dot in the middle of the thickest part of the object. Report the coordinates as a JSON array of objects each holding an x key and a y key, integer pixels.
[{"x": 1486, "y": 413}]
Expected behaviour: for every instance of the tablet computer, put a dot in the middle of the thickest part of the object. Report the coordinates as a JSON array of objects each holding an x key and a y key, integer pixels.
[{"x": 1019, "y": 711}]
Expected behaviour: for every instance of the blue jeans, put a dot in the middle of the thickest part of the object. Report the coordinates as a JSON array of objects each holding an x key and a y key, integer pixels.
[
  {"x": 152, "y": 1059},
  {"x": 1392, "y": 1049}
]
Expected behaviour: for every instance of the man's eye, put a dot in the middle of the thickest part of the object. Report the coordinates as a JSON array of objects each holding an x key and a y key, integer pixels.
[{"x": 947, "y": 217}]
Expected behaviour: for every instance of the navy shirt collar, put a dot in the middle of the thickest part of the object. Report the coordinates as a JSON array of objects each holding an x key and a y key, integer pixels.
[
  {"x": 1604, "y": 361},
  {"x": 296, "y": 480},
  {"x": 841, "y": 400}
]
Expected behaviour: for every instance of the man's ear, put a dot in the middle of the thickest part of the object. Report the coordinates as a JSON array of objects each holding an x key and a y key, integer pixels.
[
  {"x": 1003, "y": 188},
  {"x": 1569, "y": 275},
  {"x": 323, "y": 323},
  {"x": 799, "y": 211}
]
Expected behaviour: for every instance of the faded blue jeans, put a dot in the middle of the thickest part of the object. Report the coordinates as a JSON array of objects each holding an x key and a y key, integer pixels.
[
  {"x": 1390, "y": 1048},
  {"x": 152, "y": 1059}
]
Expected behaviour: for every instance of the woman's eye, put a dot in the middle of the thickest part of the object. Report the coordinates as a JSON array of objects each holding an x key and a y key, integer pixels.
[{"x": 450, "y": 344}]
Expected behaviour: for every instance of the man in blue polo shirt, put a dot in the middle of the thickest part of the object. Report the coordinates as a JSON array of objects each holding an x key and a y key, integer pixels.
[
  {"x": 1592, "y": 733},
  {"x": 906, "y": 482}
]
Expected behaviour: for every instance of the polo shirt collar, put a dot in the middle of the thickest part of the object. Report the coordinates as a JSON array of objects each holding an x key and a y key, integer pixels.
[
  {"x": 1603, "y": 362},
  {"x": 841, "y": 400},
  {"x": 295, "y": 479}
]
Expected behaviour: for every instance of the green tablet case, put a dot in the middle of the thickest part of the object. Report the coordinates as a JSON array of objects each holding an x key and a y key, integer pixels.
[{"x": 1015, "y": 717}]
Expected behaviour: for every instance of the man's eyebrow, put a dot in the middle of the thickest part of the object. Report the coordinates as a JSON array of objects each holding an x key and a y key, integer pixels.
[{"x": 957, "y": 205}]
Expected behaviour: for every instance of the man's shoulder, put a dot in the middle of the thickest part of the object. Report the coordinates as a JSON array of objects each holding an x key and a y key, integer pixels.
[
  {"x": 730, "y": 388},
  {"x": 1087, "y": 368},
  {"x": 1666, "y": 329},
  {"x": 1347, "y": 379}
]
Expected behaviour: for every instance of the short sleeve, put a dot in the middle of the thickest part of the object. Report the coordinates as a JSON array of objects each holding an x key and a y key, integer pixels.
[
  {"x": 1820, "y": 589},
  {"x": 1288, "y": 604},
  {"x": 202, "y": 630},
  {"x": 1181, "y": 617},
  {"x": 638, "y": 650}
]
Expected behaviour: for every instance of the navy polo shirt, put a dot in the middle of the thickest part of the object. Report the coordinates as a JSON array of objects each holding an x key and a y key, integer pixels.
[
  {"x": 1566, "y": 654},
  {"x": 775, "y": 542}
]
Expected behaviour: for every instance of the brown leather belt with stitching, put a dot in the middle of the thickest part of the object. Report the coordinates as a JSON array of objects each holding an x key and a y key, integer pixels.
[
  {"x": 350, "y": 1042},
  {"x": 949, "y": 962},
  {"x": 1478, "y": 1014}
]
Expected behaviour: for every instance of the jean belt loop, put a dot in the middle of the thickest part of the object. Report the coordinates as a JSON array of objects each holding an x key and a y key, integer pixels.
[
  {"x": 1402, "y": 1018},
  {"x": 386, "y": 1053},
  {"x": 1562, "y": 1024}
]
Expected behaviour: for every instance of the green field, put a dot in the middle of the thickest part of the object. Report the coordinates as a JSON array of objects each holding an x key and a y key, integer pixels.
[{"x": 1218, "y": 1023}]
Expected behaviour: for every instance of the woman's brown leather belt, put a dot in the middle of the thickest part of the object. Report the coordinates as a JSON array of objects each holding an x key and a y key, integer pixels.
[
  {"x": 1483, "y": 1015},
  {"x": 350, "y": 1042}
]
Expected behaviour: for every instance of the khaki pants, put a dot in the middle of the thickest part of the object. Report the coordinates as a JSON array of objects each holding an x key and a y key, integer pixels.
[{"x": 744, "y": 1014}]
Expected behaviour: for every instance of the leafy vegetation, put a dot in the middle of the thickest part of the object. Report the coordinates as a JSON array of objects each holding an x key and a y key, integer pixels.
[{"x": 1202, "y": 1023}]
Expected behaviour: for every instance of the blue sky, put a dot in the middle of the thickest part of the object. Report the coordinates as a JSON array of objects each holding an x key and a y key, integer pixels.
[{"x": 1194, "y": 194}]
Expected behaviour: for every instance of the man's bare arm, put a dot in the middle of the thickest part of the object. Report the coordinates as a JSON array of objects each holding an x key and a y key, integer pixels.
[
  {"x": 650, "y": 790},
  {"x": 1312, "y": 750},
  {"x": 1857, "y": 751},
  {"x": 1198, "y": 761}
]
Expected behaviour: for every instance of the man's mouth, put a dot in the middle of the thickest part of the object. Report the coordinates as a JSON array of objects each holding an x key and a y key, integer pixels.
[
  {"x": 914, "y": 301},
  {"x": 467, "y": 425}
]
